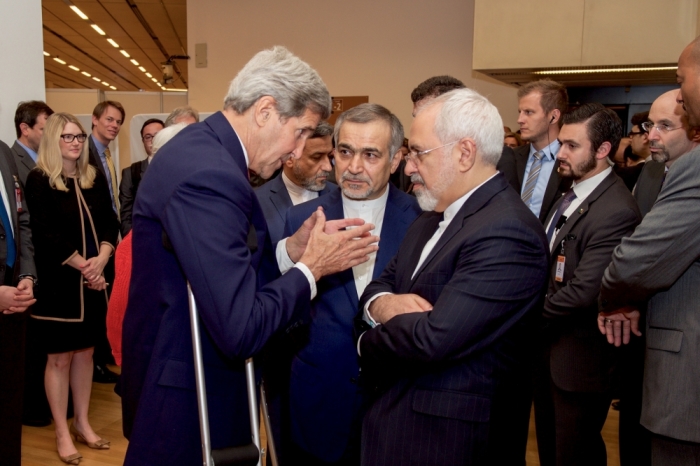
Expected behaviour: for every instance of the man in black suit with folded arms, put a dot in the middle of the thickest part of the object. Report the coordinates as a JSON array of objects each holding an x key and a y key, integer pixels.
[
  {"x": 452, "y": 310},
  {"x": 532, "y": 169},
  {"x": 574, "y": 372}
]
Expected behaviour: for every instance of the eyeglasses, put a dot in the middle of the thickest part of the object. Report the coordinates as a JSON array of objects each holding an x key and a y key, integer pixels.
[
  {"x": 70, "y": 137},
  {"x": 417, "y": 157},
  {"x": 661, "y": 127},
  {"x": 635, "y": 133},
  {"x": 148, "y": 137}
]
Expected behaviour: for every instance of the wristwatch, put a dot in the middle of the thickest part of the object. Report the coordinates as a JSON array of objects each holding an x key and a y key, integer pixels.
[{"x": 29, "y": 276}]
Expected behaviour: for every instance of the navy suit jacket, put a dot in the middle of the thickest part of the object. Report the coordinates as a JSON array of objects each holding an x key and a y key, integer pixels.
[
  {"x": 197, "y": 219},
  {"x": 324, "y": 393},
  {"x": 275, "y": 201},
  {"x": 449, "y": 372}
]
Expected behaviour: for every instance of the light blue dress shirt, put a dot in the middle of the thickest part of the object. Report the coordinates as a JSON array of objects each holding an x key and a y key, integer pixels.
[{"x": 548, "y": 161}]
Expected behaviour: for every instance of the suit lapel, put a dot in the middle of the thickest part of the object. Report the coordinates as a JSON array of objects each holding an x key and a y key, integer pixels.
[
  {"x": 280, "y": 197},
  {"x": 393, "y": 227},
  {"x": 521, "y": 155}
]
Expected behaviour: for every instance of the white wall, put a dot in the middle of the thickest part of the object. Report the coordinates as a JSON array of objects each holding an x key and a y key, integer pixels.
[
  {"x": 379, "y": 48},
  {"x": 22, "y": 59}
]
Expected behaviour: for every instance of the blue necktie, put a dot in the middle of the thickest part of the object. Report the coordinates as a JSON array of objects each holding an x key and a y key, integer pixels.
[
  {"x": 10, "y": 238},
  {"x": 568, "y": 198}
]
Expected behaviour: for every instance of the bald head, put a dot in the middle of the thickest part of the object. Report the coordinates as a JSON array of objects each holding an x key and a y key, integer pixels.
[{"x": 671, "y": 135}]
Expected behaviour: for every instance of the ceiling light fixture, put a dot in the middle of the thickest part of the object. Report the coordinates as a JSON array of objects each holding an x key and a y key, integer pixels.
[
  {"x": 78, "y": 12},
  {"x": 47, "y": 54},
  {"x": 97, "y": 28},
  {"x": 59, "y": 60},
  {"x": 149, "y": 75},
  {"x": 142, "y": 69},
  {"x": 86, "y": 73},
  {"x": 174, "y": 90},
  {"x": 106, "y": 84},
  {"x": 134, "y": 62},
  {"x": 112, "y": 87},
  {"x": 96, "y": 78},
  {"x": 114, "y": 44},
  {"x": 75, "y": 68},
  {"x": 607, "y": 70},
  {"x": 125, "y": 53},
  {"x": 154, "y": 80}
]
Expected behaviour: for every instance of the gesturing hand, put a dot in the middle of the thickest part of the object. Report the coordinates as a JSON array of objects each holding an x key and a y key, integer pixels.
[{"x": 387, "y": 306}]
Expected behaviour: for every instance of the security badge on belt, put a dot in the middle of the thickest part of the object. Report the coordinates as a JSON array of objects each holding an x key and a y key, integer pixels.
[{"x": 561, "y": 259}]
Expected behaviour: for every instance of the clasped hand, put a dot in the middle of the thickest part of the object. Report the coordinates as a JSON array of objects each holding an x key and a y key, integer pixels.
[
  {"x": 92, "y": 272},
  {"x": 17, "y": 299},
  {"x": 388, "y": 306},
  {"x": 617, "y": 325}
]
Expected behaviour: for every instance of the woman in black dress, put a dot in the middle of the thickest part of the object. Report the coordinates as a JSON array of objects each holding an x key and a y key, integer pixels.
[{"x": 74, "y": 231}]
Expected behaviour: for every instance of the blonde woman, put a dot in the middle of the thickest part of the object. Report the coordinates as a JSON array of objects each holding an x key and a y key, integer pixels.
[{"x": 74, "y": 231}]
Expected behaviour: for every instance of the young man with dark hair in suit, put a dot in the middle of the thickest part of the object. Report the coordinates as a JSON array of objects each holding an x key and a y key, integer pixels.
[
  {"x": 30, "y": 118},
  {"x": 639, "y": 140},
  {"x": 325, "y": 396},
  {"x": 18, "y": 276},
  {"x": 532, "y": 169},
  {"x": 660, "y": 264},
  {"x": 300, "y": 180},
  {"x": 454, "y": 307},
  {"x": 132, "y": 175}
]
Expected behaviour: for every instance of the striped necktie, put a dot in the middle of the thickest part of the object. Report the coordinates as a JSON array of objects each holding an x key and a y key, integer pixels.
[
  {"x": 532, "y": 178},
  {"x": 113, "y": 179}
]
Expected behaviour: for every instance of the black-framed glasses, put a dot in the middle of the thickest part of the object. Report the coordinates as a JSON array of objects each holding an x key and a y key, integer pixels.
[
  {"x": 70, "y": 137},
  {"x": 148, "y": 137},
  {"x": 661, "y": 127}
]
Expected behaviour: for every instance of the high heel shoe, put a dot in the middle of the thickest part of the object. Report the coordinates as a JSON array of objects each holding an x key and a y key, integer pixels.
[
  {"x": 101, "y": 444},
  {"x": 71, "y": 459}
]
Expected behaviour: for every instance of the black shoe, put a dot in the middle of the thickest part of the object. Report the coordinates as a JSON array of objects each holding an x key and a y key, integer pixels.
[
  {"x": 102, "y": 374},
  {"x": 36, "y": 422}
]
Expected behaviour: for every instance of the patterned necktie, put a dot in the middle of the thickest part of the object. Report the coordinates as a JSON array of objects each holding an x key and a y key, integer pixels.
[
  {"x": 532, "y": 178},
  {"x": 9, "y": 236},
  {"x": 568, "y": 199},
  {"x": 113, "y": 179}
]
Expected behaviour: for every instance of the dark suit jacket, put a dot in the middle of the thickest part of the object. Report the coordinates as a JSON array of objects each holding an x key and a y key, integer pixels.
[
  {"x": 324, "y": 394},
  {"x": 649, "y": 185},
  {"x": 512, "y": 164},
  {"x": 95, "y": 157},
  {"x": 275, "y": 201},
  {"x": 12, "y": 326},
  {"x": 581, "y": 359},
  {"x": 449, "y": 370},
  {"x": 23, "y": 161},
  {"x": 127, "y": 194},
  {"x": 197, "y": 219}
]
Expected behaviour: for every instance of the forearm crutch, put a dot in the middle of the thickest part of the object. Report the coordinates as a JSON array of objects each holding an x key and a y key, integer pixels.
[{"x": 246, "y": 455}]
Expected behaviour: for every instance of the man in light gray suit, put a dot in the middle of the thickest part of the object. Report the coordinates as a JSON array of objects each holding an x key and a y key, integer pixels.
[
  {"x": 660, "y": 263},
  {"x": 30, "y": 118}
]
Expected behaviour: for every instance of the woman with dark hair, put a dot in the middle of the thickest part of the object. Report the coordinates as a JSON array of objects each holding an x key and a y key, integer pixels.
[{"x": 74, "y": 231}]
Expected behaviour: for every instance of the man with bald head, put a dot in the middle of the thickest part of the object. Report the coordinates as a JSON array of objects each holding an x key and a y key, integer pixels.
[{"x": 660, "y": 263}]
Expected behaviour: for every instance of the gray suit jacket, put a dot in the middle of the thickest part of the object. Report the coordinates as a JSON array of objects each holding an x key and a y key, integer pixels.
[
  {"x": 661, "y": 262},
  {"x": 24, "y": 162},
  {"x": 649, "y": 185}
]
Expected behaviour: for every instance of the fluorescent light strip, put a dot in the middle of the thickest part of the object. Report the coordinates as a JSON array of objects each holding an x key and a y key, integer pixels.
[
  {"x": 125, "y": 53},
  {"x": 74, "y": 68},
  {"x": 114, "y": 44},
  {"x": 78, "y": 12},
  {"x": 60, "y": 61},
  {"x": 106, "y": 84},
  {"x": 174, "y": 90},
  {"x": 96, "y": 78},
  {"x": 86, "y": 73},
  {"x": 142, "y": 69},
  {"x": 149, "y": 75},
  {"x": 112, "y": 87},
  {"x": 47, "y": 54},
  {"x": 134, "y": 62},
  {"x": 607, "y": 70},
  {"x": 154, "y": 80},
  {"x": 97, "y": 28}
]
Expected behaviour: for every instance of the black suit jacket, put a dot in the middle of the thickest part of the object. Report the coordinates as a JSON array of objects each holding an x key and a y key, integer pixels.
[
  {"x": 512, "y": 164},
  {"x": 95, "y": 157},
  {"x": 23, "y": 161},
  {"x": 127, "y": 194},
  {"x": 581, "y": 359},
  {"x": 649, "y": 185},
  {"x": 449, "y": 371}
]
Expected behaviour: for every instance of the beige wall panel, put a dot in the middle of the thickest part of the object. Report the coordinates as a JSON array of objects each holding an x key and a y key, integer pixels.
[
  {"x": 172, "y": 100},
  {"x": 378, "y": 48},
  {"x": 75, "y": 101},
  {"x": 532, "y": 34},
  {"x": 637, "y": 32},
  {"x": 134, "y": 103}
]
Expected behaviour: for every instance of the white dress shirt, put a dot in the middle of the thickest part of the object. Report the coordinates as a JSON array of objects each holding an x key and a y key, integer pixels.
[
  {"x": 582, "y": 190},
  {"x": 298, "y": 194}
]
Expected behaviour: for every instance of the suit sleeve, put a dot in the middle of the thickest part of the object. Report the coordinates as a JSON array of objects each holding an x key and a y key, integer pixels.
[
  {"x": 498, "y": 277},
  {"x": 582, "y": 290},
  {"x": 207, "y": 222},
  {"x": 126, "y": 201},
  {"x": 106, "y": 222},
  {"x": 663, "y": 246}
]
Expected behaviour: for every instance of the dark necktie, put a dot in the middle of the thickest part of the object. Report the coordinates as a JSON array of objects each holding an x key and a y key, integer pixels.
[
  {"x": 9, "y": 236},
  {"x": 568, "y": 199}
]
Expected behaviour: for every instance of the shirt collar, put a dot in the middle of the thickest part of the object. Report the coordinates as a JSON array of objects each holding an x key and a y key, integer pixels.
[
  {"x": 453, "y": 208},
  {"x": 366, "y": 204},
  {"x": 31, "y": 153},
  {"x": 100, "y": 147},
  {"x": 245, "y": 152},
  {"x": 584, "y": 188},
  {"x": 550, "y": 152}
]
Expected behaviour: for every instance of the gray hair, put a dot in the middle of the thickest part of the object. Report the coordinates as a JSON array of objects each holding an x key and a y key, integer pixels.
[
  {"x": 466, "y": 113},
  {"x": 367, "y": 113},
  {"x": 278, "y": 73},
  {"x": 165, "y": 135},
  {"x": 322, "y": 130},
  {"x": 181, "y": 112}
]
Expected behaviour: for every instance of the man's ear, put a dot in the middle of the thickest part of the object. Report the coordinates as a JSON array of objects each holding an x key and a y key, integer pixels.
[
  {"x": 396, "y": 160},
  {"x": 467, "y": 154},
  {"x": 264, "y": 109},
  {"x": 24, "y": 129},
  {"x": 694, "y": 134},
  {"x": 603, "y": 150}
]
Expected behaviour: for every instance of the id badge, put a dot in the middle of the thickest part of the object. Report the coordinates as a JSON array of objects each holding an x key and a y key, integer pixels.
[
  {"x": 559, "y": 274},
  {"x": 18, "y": 195}
]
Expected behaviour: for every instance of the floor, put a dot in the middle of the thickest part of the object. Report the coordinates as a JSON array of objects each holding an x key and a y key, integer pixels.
[{"x": 39, "y": 447}]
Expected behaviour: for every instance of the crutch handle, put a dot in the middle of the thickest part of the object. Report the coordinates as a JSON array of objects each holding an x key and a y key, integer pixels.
[{"x": 246, "y": 455}]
